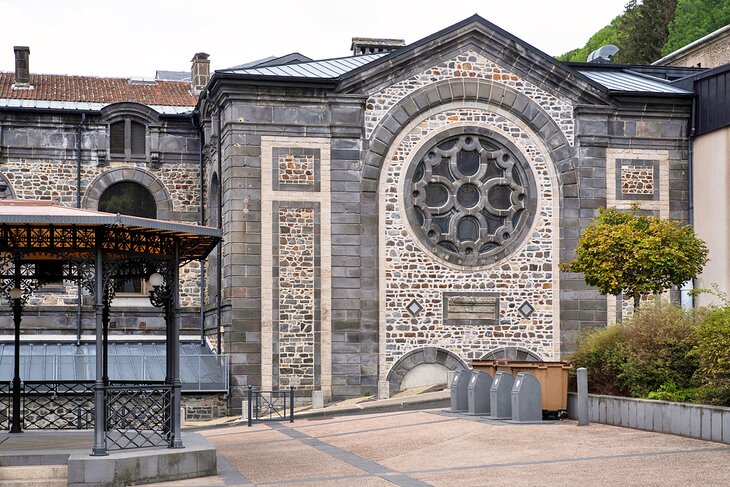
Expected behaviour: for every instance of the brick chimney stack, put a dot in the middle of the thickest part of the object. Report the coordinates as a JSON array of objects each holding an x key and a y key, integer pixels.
[
  {"x": 199, "y": 72},
  {"x": 22, "y": 66}
]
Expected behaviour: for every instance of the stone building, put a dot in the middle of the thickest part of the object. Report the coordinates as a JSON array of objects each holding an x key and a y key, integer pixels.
[
  {"x": 387, "y": 216},
  {"x": 710, "y": 51}
]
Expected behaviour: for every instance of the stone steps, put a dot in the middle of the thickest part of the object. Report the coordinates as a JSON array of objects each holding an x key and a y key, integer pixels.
[{"x": 34, "y": 475}]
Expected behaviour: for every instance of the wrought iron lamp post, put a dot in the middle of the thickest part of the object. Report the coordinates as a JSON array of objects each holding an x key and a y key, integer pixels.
[{"x": 15, "y": 295}]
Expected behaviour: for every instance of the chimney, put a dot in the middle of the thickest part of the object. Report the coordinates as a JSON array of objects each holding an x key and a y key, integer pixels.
[
  {"x": 22, "y": 67},
  {"x": 366, "y": 45},
  {"x": 199, "y": 72}
]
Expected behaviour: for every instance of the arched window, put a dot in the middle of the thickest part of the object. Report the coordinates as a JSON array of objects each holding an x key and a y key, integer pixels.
[
  {"x": 128, "y": 198},
  {"x": 133, "y": 199},
  {"x": 213, "y": 221}
]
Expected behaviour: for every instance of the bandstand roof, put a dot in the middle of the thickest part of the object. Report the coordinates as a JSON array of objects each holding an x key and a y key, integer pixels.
[{"x": 29, "y": 225}]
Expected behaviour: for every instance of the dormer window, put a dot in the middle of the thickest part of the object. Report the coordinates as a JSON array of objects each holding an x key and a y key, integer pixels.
[{"x": 127, "y": 139}]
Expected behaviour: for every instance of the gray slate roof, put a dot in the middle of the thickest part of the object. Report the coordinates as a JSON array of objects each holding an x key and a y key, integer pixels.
[
  {"x": 325, "y": 69},
  {"x": 613, "y": 80},
  {"x": 629, "y": 82}
]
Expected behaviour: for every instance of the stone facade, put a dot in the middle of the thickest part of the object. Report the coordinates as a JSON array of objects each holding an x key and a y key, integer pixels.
[
  {"x": 39, "y": 159},
  {"x": 328, "y": 279}
]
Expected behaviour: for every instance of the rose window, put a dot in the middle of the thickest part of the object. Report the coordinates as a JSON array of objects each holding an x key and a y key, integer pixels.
[{"x": 469, "y": 199}]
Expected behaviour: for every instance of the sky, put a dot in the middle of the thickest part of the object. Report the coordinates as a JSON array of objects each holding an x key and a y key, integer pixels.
[{"x": 134, "y": 38}]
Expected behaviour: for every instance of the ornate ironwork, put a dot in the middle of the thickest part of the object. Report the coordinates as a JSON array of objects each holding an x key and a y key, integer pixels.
[
  {"x": 466, "y": 199},
  {"x": 5, "y": 403},
  {"x": 270, "y": 405},
  {"x": 79, "y": 240},
  {"x": 58, "y": 405},
  {"x": 138, "y": 416}
]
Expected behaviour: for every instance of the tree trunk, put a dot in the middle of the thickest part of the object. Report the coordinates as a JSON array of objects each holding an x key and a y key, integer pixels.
[{"x": 637, "y": 299}]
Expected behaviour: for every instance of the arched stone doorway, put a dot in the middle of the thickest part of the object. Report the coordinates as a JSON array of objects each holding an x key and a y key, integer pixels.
[{"x": 423, "y": 366}]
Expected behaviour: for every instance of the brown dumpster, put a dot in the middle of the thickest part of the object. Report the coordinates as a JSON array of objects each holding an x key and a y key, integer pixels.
[{"x": 553, "y": 378}]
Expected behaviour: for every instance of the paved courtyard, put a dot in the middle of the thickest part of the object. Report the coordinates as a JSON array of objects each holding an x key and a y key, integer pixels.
[{"x": 434, "y": 447}]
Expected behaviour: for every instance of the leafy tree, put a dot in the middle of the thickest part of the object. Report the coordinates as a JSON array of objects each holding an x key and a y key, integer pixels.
[
  {"x": 694, "y": 19},
  {"x": 636, "y": 254},
  {"x": 643, "y": 30}
]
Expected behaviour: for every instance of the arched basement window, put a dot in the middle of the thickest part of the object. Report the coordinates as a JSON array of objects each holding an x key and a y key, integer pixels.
[{"x": 133, "y": 199}]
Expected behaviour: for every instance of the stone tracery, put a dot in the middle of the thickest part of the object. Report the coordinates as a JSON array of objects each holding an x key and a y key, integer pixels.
[{"x": 467, "y": 196}]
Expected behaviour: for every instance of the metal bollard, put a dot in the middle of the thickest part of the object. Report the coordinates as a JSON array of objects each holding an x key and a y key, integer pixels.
[
  {"x": 582, "y": 373},
  {"x": 291, "y": 404},
  {"x": 250, "y": 406}
]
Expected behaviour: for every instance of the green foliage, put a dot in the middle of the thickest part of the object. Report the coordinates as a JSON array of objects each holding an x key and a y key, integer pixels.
[
  {"x": 670, "y": 392},
  {"x": 643, "y": 31},
  {"x": 713, "y": 352},
  {"x": 635, "y": 254},
  {"x": 694, "y": 19},
  {"x": 652, "y": 353},
  {"x": 648, "y": 30},
  {"x": 602, "y": 353}
]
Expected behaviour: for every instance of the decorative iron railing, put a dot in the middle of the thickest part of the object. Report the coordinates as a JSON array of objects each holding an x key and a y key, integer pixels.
[
  {"x": 6, "y": 401},
  {"x": 270, "y": 405},
  {"x": 58, "y": 405},
  {"x": 138, "y": 416}
]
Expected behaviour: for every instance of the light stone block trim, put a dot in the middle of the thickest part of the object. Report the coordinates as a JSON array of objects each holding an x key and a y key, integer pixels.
[
  {"x": 408, "y": 271},
  {"x": 616, "y": 160},
  {"x": 289, "y": 199}
]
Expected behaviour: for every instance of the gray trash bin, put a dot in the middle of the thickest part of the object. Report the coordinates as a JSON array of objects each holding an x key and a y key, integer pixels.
[
  {"x": 459, "y": 391},
  {"x": 478, "y": 393},
  {"x": 500, "y": 396},
  {"x": 526, "y": 398}
]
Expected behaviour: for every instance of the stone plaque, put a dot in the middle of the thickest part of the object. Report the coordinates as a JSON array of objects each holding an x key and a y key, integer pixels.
[{"x": 471, "y": 308}]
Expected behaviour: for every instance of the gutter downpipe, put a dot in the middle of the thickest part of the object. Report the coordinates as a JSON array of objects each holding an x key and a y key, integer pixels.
[
  {"x": 686, "y": 298},
  {"x": 78, "y": 205},
  {"x": 219, "y": 269},
  {"x": 202, "y": 223}
]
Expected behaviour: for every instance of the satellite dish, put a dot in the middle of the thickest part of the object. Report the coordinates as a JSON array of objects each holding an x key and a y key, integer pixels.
[{"x": 603, "y": 54}]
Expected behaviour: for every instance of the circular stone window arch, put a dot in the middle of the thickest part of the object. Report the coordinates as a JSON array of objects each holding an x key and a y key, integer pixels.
[
  {"x": 423, "y": 366},
  {"x": 104, "y": 181},
  {"x": 470, "y": 196},
  {"x": 512, "y": 353}
]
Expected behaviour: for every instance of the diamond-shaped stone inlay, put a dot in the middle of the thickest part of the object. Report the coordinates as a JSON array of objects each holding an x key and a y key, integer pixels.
[
  {"x": 414, "y": 308},
  {"x": 526, "y": 309}
]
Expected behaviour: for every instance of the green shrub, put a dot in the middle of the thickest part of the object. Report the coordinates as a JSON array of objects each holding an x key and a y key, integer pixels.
[
  {"x": 713, "y": 354},
  {"x": 659, "y": 340},
  {"x": 650, "y": 353},
  {"x": 602, "y": 353},
  {"x": 670, "y": 392}
]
